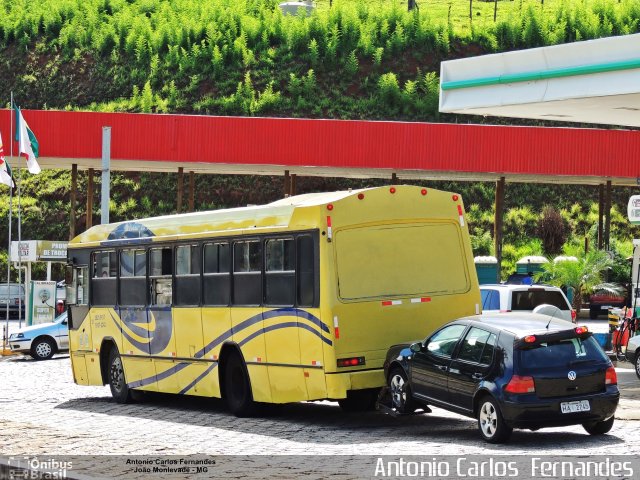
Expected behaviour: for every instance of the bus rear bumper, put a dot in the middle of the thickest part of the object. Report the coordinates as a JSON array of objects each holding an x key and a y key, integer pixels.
[{"x": 339, "y": 383}]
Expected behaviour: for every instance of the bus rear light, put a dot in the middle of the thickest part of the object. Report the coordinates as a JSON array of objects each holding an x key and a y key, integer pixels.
[
  {"x": 361, "y": 196},
  {"x": 350, "y": 362},
  {"x": 392, "y": 189},
  {"x": 519, "y": 384},
  {"x": 581, "y": 329},
  {"x": 330, "y": 206},
  {"x": 454, "y": 198},
  {"x": 574, "y": 315},
  {"x": 611, "y": 377},
  {"x": 529, "y": 339},
  {"x": 423, "y": 191}
]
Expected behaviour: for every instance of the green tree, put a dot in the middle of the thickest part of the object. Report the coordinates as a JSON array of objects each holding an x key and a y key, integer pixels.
[{"x": 584, "y": 275}]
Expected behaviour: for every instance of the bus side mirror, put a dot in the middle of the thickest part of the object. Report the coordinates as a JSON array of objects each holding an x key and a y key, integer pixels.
[{"x": 416, "y": 347}]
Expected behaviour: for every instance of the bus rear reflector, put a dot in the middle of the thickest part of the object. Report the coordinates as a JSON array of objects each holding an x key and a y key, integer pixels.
[
  {"x": 519, "y": 384},
  {"x": 392, "y": 189},
  {"x": 611, "y": 377},
  {"x": 423, "y": 191},
  {"x": 350, "y": 362}
]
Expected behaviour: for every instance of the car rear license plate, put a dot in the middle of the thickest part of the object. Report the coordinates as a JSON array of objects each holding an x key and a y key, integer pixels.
[{"x": 573, "y": 407}]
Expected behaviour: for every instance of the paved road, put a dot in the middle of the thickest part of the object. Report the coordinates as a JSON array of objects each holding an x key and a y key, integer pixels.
[{"x": 43, "y": 412}]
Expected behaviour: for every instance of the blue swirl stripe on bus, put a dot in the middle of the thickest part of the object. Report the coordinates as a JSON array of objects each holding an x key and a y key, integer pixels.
[
  {"x": 197, "y": 379},
  {"x": 165, "y": 322},
  {"x": 158, "y": 337},
  {"x": 159, "y": 376}
]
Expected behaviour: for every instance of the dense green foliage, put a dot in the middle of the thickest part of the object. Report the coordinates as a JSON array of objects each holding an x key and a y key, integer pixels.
[
  {"x": 357, "y": 59},
  {"x": 243, "y": 57}
]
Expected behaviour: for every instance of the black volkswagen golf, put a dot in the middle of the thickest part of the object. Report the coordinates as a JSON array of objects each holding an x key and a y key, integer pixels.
[{"x": 509, "y": 371}]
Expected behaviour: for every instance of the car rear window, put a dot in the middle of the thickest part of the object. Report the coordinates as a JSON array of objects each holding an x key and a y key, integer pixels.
[
  {"x": 561, "y": 353},
  {"x": 530, "y": 299}
]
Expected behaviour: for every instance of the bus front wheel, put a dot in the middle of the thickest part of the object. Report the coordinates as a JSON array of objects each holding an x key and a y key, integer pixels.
[
  {"x": 117, "y": 382},
  {"x": 237, "y": 387}
]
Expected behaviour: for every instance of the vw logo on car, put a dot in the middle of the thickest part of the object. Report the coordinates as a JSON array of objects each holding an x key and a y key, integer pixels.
[{"x": 571, "y": 375}]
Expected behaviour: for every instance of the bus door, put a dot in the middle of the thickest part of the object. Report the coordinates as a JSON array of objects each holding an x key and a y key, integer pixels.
[
  {"x": 286, "y": 373},
  {"x": 246, "y": 314},
  {"x": 313, "y": 332}
]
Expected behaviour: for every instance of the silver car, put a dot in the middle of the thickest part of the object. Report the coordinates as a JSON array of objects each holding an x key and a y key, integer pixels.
[{"x": 43, "y": 340}]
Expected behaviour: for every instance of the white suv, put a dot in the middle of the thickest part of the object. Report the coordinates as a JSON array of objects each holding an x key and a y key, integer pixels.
[{"x": 526, "y": 298}]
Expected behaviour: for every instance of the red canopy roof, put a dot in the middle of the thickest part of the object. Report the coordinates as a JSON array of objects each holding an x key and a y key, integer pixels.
[{"x": 333, "y": 147}]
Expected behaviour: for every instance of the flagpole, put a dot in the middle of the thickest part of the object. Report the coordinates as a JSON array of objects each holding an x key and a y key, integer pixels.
[
  {"x": 19, "y": 238},
  {"x": 6, "y": 331}
]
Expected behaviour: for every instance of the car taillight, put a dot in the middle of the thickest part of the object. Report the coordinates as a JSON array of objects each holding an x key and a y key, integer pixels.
[
  {"x": 574, "y": 315},
  {"x": 17, "y": 301},
  {"x": 611, "y": 378},
  {"x": 519, "y": 384},
  {"x": 350, "y": 362}
]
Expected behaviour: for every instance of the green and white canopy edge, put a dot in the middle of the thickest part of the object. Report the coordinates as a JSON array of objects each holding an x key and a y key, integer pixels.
[{"x": 596, "y": 81}]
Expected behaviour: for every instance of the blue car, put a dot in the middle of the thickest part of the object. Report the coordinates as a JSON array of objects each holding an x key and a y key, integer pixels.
[
  {"x": 511, "y": 370},
  {"x": 43, "y": 340}
]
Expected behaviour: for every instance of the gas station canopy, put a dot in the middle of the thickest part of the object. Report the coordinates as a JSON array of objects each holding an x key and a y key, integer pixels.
[{"x": 596, "y": 81}]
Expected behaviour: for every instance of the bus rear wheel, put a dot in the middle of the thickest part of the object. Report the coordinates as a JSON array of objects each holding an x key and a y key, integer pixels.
[
  {"x": 237, "y": 387},
  {"x": 120, "y": 391},
  {"x": 360, "y": 400}
]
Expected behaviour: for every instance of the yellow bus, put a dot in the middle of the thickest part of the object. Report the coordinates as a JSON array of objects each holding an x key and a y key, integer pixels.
[{"x": 291, "y": 301}]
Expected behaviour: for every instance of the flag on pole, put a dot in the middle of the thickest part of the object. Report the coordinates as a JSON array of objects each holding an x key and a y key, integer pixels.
[
  {"x": 27, "y": 143},
  {"x": 6, "y": 176}
]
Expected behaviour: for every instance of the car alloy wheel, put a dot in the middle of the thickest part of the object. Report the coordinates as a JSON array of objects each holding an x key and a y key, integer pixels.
[
  {"x": 400, "y": 391},
  {"x": 490, "y": 422},
  {"x": 488, "y": 419},
  {"x": 638, "y": 365}
]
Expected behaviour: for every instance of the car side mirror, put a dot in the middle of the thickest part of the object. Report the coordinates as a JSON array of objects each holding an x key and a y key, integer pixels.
[{"x": 416, "y": 347}]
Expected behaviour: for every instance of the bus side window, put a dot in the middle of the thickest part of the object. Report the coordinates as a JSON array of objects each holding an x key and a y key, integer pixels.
[
  {"x": 306, "y": 274},
  {"x": 103, "y": 281},
  {"x": 247, "y": 273},
  {"x": 280, "y": 275},
  {"x": 160, "y": 275},
  {"x": 76, "y": 280},
  {"x": 133, "y": 282},
  {"x": 216, "y": 276},
  {"x": 187, "y": 275}
]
